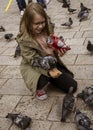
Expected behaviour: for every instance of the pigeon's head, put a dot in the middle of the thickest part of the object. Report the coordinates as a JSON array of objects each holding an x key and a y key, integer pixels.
[
  {"x": 78, "y": 111},
  {"x": 89, "y": 100},
  {"x": 85, "y": 122},
  {"x": 81, "y": 5}
]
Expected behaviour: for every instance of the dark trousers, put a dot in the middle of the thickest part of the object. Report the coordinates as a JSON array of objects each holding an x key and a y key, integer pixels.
[
  {"x": 40, "y": 1},
  {"x": 21, "y": 4},
  {"x": 63, "y": 82}
]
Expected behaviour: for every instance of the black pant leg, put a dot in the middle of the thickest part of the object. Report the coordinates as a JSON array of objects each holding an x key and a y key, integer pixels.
[
  {"x": 43, "y": 80},
  {"x": 64, "y": 82},
  {"x": 19, "y": 2},
  {"x": 23, "y": 3}
]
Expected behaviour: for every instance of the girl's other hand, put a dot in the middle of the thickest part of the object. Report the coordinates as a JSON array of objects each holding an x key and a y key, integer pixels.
[{"x": 54, "y": 73}]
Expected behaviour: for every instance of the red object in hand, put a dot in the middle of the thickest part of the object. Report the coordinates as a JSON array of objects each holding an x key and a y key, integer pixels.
[{"x": 57, "y": 43}]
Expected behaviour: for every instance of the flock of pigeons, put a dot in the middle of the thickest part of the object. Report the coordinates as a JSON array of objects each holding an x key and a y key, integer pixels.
[
  {"x": 81, "y": 120},
  {"x": 82, "y": 15}
]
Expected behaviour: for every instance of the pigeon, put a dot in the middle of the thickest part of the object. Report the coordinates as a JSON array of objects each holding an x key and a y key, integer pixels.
[
  {"x": 83, "y": 15},
  {"x": 66, "y": 3},
  {"x": 82, "y": 121},
  {"x": 70, "y": 10},
  {"x": 21, "y": 121},
  {"x": 68, "y": 104},
  {"x": 68, "y": 24},
  {"x": 47, "y": 62},
  {"x": 90, "y": 47},
  {"x": 8, "y": 36},
  {"x": 87, "y": 96},
  {"x": 83, "y": 8},
  {"x": 17, "y": 51},
  {"x": 2, "y": 29}
]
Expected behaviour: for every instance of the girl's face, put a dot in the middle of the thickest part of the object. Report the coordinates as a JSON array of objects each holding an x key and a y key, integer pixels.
[{"x": 38, "y": 24}]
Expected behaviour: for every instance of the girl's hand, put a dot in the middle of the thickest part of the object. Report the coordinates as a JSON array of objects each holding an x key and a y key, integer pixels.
[{"x": 54, "y": 73}]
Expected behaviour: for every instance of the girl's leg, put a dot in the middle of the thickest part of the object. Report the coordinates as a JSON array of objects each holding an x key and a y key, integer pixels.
[
  {"x": 43, "y": 80},
  {"x": 41, "y": 94},
  {"x": 64, "y": 82}
]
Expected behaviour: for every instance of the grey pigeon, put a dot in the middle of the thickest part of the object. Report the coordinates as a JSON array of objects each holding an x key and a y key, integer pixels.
[
  {"x": 82, "y": 121},
  {"x": 87, "y": 96},
  {"x": 17, "y": 51},
  {"x": 90, "y": 47},
  {"x": 66, "y": 3},
  {"x": 68, "y": 104},
  {"x": 8, "y": 36},
  {"x": 83, "y": 15},
  {"x": 83, "y": 8},
  {"x": 68, "y": 24},
  {"x": 21, "y": 121},
  {"x": 2, "y": 29},
  {"x": 47, "y": 62}
]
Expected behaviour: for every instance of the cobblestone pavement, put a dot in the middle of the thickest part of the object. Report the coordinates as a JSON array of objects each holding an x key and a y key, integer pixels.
[{"x": 15, "y": 97}]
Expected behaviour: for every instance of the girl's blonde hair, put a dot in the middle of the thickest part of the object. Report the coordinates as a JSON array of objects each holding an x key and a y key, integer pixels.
[{"x": 28, "y": 17}]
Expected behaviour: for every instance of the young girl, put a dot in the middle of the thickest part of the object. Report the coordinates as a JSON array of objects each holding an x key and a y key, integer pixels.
[{"x": 34, "y": 30}]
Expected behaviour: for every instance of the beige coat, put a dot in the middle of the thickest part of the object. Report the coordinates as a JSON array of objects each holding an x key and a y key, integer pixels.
[{"x": 29, "y": 50}]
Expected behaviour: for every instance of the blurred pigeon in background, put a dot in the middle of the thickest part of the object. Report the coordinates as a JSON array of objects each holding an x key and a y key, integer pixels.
[
  {"x": 68, "y": 24},
  {"x": 8, "y": 36},
  {"x": 90, "y": 47},
  {"x": 17, "y": 51},
  {"x": 2, "y": 29}
]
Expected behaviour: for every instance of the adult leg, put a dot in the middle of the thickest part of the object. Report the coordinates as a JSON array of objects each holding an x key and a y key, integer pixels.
[
  {"x": 19, "y": 2},
  {"x": 23, "y": 3}
]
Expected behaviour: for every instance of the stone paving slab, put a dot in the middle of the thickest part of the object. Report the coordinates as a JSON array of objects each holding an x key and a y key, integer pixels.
[
  {"x": 6, "y": 60},
  {"x": 2, "y": 81},
  {"x": 9, "y": 52},
  {"x": 69, "y": 59},
  {"x": 7, "y": 104},
  {"x": 84, "y": 60},
  {"x": 11, "y": 72},
  {"x": 75, "y": 41},
  {"x": 34, "y": 108},
  {"x": 82, "y": 71},
  {"x": 83, "y": 84},
  {"x": 11, "y": 87},
  {"x": 4, "y": 124},
  {"x": 63, "y": 126}
]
